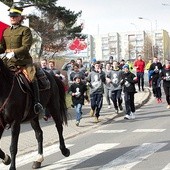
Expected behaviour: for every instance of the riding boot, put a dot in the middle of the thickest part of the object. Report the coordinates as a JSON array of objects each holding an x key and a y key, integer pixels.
[{"x": 38, "y": 108}]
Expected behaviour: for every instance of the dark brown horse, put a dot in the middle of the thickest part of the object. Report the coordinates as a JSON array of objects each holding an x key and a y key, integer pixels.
[{"x": 12, "y": 96}]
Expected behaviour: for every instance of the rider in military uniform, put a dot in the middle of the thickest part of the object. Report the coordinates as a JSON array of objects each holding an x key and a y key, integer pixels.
[{"x": 16, "y": 43}]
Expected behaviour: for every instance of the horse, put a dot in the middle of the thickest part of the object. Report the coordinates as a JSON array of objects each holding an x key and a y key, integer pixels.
[{"x": 12, "y": 96}]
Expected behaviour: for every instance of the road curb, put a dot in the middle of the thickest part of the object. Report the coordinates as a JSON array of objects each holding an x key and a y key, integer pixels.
[{"x": 138, "y": 105}]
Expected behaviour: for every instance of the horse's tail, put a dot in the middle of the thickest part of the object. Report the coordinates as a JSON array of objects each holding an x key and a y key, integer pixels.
[{"x": 62, "y": 95}]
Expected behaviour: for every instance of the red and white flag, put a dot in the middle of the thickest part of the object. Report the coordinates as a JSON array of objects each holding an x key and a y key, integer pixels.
[{"x": 4, "y": 19}]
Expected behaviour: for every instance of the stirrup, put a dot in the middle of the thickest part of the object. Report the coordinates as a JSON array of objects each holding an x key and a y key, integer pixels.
[{"x": 38, "y": 109}]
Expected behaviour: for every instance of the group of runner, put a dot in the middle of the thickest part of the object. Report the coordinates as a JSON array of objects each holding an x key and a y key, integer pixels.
[{"x": 111, "y": 78}]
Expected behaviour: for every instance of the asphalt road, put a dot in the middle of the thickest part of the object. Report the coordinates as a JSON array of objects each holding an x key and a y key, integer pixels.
[
  {"x": 140, "y": 144},
  {"x": 118, "y": 144}
]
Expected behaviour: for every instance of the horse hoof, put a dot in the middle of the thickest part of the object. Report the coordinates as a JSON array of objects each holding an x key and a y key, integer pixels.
[
  {"x": 7, "y": 160},
  {"x": 66, "y": 153},
  {"x": 36, "y": 165}
]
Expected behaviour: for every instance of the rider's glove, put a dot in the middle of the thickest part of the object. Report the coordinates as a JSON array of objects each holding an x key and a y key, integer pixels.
[{"x": 10, "y": 55}]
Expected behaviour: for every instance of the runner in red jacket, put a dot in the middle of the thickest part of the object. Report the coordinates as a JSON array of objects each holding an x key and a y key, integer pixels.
[{"x": 139, "y": 64}]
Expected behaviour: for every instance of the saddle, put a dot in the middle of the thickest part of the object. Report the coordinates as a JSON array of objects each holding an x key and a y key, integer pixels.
[{"x": 43, "y": 83}]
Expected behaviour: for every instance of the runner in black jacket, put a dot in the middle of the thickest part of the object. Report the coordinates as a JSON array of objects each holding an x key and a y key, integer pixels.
[
  {"x": 155, "y": 69},
  {"x": 165, "y": 76},
  {"x": 128, "y": 82}
]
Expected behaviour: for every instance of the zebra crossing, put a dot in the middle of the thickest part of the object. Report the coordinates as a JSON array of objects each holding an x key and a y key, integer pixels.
[
  {"x": 82, "y": 156},
  {"x": 167, "y": 167},
  {"x": 137, "y": 130},
  {"x": 133, "y": 157},
  {"x": 126, "y": 161}
]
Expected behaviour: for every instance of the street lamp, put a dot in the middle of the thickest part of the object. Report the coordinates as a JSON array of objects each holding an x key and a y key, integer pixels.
[
  {"x": 134, "y": 25},
  {"x": 135, "y": 39},
  {"x": 165, "y": 4},
  {"x": 152, "y": 51},
  {"x": 147, "y": 20}
]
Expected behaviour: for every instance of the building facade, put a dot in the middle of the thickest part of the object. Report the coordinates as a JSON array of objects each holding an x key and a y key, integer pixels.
[
  {"x": 128, "y": 45},
  {"x": 161, "y": 46}
]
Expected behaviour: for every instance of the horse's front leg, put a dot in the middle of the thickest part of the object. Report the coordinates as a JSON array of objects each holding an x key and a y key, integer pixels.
[
  {"x": 15, "y": 130},
  {"x": 5, "y": 158},
  {"x": 39, "y": 136}
]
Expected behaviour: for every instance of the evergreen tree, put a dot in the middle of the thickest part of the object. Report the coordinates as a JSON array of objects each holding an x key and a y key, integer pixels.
[{"x": 55, "y": 24}]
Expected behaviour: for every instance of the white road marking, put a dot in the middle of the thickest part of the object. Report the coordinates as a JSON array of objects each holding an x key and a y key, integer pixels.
[
  {"x": 110, "y": 131},
  {"x": 133, "y": 157},
  {"x": 80, "y": 157},
  {"x": 149, "y": 130},
  {"x": 167, "y": 167},
  {"x": 30, "y": 157}
]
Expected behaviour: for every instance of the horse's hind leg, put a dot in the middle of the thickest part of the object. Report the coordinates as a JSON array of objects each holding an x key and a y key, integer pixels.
[
  {"x": 59, "y": 126},
  {"x": 39, "y": 136},
  {"x": 15, "y": 130},
  {"x": 5, "y": 158}
]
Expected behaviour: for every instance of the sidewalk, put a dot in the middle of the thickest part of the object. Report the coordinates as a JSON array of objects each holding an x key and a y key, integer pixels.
[{"x": 28, "y": 143}]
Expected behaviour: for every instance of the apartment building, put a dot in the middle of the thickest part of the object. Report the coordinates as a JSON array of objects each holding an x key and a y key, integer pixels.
[
  {"x": 107, "y": 45},
  {"x": 161, "y": 44},
  {"x": 128, "y": 45}
]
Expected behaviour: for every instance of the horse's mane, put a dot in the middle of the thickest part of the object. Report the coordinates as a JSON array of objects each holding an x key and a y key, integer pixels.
[{"x": 7, "y": 74}]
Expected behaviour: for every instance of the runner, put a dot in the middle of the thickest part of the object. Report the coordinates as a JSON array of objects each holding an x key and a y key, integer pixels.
[
  {"x": 107, "y": 85},
  {"x": 96, "y": 81},
  {"x": 115, "y": 78},
  {"x": 128, "y": 82},
  {"x": 154, "y": 70},
  {"x": 165, "y": 75}
]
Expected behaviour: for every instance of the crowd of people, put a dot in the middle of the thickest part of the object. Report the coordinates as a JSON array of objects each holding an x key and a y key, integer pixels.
[{"x": 111, "y": 79}]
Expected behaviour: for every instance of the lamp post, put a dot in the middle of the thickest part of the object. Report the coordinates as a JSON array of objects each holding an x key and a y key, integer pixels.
[
  {"x": 152, "y": 51},
  {"x": 135, "y": 39},
  {"x": 134, "y": 25},
  {"x": 147, "y": 20},
  {"x": 164, "y": 4}
]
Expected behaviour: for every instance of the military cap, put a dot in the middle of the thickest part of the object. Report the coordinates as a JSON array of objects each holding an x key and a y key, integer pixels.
[{"x": 15, "y": 11}]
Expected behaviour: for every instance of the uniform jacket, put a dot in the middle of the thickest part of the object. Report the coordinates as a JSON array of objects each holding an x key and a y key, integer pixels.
[{"x": 18, "y": 40}]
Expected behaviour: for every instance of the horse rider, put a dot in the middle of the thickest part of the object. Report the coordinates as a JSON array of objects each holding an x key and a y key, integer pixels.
[{"x": 16, "y": 43}]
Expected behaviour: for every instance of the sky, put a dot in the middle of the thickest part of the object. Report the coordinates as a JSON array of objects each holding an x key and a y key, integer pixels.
[{"x": 106, "y": 16}]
